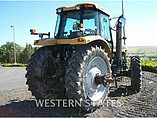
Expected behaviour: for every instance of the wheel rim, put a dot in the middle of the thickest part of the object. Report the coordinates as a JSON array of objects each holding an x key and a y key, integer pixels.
[{"x": 96, "y": 66}]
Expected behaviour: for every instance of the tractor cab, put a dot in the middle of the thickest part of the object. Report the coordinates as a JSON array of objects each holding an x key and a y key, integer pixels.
[{"x": 82, "y": 20}]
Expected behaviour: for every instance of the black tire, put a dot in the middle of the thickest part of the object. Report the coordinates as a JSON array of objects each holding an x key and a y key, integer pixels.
[
  {"x": 76, "y": 77},
  {"x": 41, "y": 75},
  {"x": 136, "y": 73}
]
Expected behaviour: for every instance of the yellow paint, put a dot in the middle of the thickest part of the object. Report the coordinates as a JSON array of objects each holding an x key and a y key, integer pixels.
[
  {"x": 87, "y": 39},
  {"x": 74, "y": 41}
]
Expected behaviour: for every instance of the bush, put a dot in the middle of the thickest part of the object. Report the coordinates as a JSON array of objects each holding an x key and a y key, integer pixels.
[
  {"x": 150, "y": 66},
  {"x": 14, "y": 65}
]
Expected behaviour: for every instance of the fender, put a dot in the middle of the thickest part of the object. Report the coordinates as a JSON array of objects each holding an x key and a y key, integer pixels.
[{"x": 93, "y": 40}]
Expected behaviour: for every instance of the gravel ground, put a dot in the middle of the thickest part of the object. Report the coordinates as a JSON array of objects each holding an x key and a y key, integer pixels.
[{"x": 19, "y": 102}]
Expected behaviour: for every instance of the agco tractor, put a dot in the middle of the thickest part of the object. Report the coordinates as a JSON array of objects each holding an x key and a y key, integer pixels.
[{"x": 80, "y": 62}]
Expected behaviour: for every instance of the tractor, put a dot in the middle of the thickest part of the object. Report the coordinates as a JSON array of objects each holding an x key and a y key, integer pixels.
[{"x": 81, "y": 61}]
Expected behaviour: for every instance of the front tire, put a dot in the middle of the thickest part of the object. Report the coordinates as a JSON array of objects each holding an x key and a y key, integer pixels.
[
  {"x": 136, "y": 73},
  {"x": 80, "y": 84}
]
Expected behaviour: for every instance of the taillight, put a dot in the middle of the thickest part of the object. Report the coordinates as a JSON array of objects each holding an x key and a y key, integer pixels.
[
  {"x": 89, "y": 6},
  {"x": 81, "y": 39},
  {"x": 33, "y": 32}
]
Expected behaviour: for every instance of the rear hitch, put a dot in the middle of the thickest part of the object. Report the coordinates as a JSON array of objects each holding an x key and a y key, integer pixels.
[{"x": 103, "y": 79}]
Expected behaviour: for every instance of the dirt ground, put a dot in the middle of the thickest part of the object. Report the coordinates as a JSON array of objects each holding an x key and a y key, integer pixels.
[{"x": 19, "y": 102}]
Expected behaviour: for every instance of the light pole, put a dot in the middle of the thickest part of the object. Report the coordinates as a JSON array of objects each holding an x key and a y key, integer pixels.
[{"x": 14, "y": 43}]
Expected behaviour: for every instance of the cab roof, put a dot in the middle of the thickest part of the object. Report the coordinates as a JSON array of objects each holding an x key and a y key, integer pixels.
[{"x": 86, "y": 5}]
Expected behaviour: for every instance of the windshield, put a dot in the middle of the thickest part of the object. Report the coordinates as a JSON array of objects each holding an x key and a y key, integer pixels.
[{"x": 68, "y": 24}]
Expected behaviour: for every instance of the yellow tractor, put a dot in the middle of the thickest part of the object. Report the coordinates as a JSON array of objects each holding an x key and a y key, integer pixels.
[{"x": 80, "y": 61}]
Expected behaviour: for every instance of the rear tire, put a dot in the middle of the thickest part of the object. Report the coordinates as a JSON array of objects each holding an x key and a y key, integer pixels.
[
  {"x": 80, "y": 85},
  {"x": 136, "y": 73},
  {"x": 41, "y": 75}
]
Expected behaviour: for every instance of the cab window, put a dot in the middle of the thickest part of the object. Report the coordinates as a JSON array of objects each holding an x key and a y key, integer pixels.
[{"x": 105, "y": 27}]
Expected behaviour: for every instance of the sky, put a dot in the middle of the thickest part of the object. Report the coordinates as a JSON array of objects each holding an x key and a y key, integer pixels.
[{"x": 141, "y": 19}]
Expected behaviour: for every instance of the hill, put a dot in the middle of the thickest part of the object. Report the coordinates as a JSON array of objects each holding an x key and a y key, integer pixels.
[{"x": 143, "y": 49}]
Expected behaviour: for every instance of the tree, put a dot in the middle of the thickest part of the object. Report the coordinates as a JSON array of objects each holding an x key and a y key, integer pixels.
[
  {"x": 25, "y": 55},
  {"x": 22, "y": 54},
  {"x": 7, "y": 52}
]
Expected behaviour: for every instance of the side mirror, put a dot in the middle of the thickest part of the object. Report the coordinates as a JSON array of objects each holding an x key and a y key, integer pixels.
[{"x": 122, "y": 20}]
